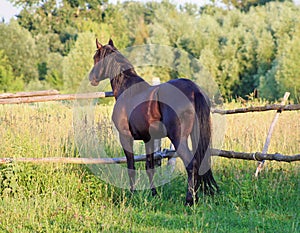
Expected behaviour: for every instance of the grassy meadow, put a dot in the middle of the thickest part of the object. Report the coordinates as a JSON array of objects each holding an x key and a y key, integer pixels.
[{"x": 70, "y": 198}]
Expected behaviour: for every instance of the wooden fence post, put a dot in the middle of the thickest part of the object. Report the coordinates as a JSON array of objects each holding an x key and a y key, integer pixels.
[
  {"x": 260, "y": 164},
  {"x": 157, "y": 142}
]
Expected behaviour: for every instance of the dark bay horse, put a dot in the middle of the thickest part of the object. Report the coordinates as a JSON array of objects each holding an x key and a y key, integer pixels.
[{"x": 177, "y": 109}]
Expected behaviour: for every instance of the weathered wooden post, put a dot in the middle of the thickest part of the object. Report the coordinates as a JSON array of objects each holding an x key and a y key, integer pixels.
[
  {"x": 157, "y": 142},
  {"x": 260, "y": 164}
]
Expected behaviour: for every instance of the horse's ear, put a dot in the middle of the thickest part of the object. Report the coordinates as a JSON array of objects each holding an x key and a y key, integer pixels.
[
  {"x": 98, "y": 45},
  {"x": 111, "y": 43}
]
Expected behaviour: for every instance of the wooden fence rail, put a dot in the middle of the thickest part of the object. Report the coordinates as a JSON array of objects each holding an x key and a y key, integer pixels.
[
  {"x": 28, "y": 94},
  {"x": 52, "y": 95},
  {"x": 33, "y": 97},
  {"x": 159, "y": 155},
  {"x": 278, "y": 107}
]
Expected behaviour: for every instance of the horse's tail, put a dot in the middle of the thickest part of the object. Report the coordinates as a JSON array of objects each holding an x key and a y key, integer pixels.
[{"x": 201, "y": 141}]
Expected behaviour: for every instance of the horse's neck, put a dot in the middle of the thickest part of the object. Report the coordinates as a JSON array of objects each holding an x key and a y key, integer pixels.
[{"x": 128, "y": 81}]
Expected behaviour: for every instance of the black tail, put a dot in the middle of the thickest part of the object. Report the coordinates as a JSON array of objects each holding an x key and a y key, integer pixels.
[{"x": 201, "y": 140}]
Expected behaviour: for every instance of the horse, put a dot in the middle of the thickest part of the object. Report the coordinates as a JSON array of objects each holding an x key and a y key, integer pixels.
[{"x": 177, "y": 109}]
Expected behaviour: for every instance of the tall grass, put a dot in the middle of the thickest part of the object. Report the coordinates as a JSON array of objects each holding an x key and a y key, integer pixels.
[{"x": 69, "y": 198}]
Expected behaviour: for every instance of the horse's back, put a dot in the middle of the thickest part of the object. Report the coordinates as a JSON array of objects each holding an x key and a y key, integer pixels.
[
  {"x": 183, "y": 84},
  {"x": 179, "y": 92},
  {"x": 190, "y": 89}
]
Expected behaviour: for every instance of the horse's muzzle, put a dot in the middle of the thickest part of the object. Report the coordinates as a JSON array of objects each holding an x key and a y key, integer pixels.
[{"x": 94, "y": 82}]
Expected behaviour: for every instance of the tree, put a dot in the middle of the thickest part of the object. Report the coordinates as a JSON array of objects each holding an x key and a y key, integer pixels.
[
  {"x": 48, "y": 16},
  {"x": 20, "y": 49},
  {"x": 54, "y": 75},
  {"x": 282, "y": 50},
  {"x": 78, "y": 62},
  {"x": 245, "y": 5},
  {"x": 268, "y": 86},
  {"x": 8, "y": 82},
  {"x": 253, "y": 44},
  {"x": 288, "y": 72}
]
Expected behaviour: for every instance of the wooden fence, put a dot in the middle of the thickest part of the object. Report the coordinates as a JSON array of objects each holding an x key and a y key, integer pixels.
[
  {"x": 53, "y": 95},
  {"x": 158, "y": 156}
]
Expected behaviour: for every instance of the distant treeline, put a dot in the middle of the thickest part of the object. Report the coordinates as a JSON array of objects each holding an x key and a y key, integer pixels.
[{"x": 244, "y": 45}]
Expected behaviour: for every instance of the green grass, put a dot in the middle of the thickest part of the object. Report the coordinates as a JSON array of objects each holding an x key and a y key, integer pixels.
[{"x": 69, "y": 198}]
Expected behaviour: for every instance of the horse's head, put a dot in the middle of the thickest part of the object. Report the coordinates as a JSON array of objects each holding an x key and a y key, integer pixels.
[{"x": 101, "y": 61}]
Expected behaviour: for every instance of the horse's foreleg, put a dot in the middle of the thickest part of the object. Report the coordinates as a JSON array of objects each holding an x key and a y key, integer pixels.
[
  {"x": 150, "y": 165},
  {"x": 127, "y": 144}
]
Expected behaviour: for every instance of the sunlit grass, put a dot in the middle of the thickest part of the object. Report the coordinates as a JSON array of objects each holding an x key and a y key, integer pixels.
[{"x": 69, "y": 198}]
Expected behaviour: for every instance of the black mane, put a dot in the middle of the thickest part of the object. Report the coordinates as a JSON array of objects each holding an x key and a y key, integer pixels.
[{"x": 119, "y": 70}]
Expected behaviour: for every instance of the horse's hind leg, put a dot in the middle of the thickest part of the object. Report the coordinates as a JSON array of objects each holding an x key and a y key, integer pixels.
[
  {"x": 192, "y": 195},
  {"x": 127, "y": 144},
  {"x": 150, "y": 164},
  {"x": 191, "y": 166}
]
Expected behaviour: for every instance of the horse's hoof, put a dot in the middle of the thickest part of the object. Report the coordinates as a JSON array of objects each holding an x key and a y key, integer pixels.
[
  {"x": 132, "y": 191},
  {"x": 189, "y": 203},
  {"x": 154, "y": 192},
  {"x": 191, "y": 200}
]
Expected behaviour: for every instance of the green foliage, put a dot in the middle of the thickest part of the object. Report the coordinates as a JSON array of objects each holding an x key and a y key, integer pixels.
[
  {"x": 54, "y": 74},
  {"x": 248, "y": 45},
  {"x": 288, "y": 72},
  {"x": 19, "y": 47},
  {"x": 8, "y": 82},
  {"x": 245, "y": 5},
  {"x": 78, "y": 62},
  {"x": 268, "y": 86}
]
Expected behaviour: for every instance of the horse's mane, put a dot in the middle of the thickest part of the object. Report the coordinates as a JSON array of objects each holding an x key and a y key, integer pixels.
[{"x": 121, "y": 71}]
